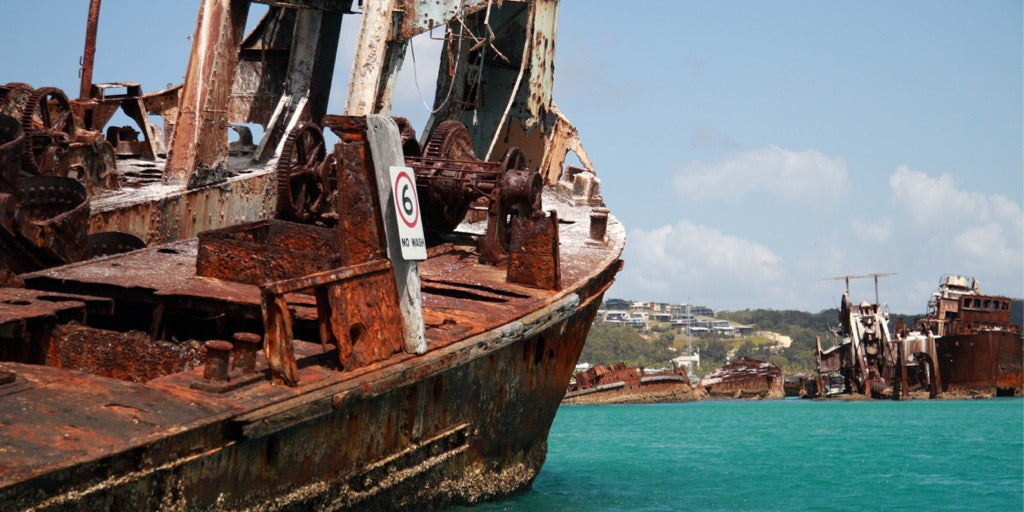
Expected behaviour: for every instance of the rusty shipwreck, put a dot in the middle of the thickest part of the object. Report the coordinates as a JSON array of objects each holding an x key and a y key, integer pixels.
[
  {"x": 188, "y": 324},
  {"x": 744, "y": 378},
  {"x": 979, "y": 351},
  {"x": 622, "y": 384},
  {"x": 965, "y": 346}
]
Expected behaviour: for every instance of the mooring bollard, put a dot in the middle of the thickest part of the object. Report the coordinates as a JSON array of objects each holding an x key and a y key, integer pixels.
[
  {"x": 218, "y": 354},
  {"x": 246, "y": 345},
  {"x": 598, "y": 223}
]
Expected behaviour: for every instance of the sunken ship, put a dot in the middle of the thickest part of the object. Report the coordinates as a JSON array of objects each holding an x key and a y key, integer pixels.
[
  {"x": 340, "y": 315},
  {"x": 744, "y": 378},
  {"x": 979, "y": 350},
  {"x": 965, "y": 347},
  {"x": 622, "y": 384}
]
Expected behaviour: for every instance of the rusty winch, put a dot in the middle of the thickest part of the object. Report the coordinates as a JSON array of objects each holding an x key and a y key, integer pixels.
[{"x": 450, "y": 180}]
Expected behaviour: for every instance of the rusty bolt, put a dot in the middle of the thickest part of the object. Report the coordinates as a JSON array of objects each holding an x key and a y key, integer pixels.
[
  {"x": 598, "y": 223},
  {"x": 218, "y": 354},
  {"x": 246, "y": 345}
]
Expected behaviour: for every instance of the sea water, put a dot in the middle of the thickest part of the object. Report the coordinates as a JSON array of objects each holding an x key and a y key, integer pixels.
[{"x": 786, "y": 455}]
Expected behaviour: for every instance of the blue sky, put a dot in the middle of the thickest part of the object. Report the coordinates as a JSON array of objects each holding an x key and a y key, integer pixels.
[{"x": 752, "y": 149}]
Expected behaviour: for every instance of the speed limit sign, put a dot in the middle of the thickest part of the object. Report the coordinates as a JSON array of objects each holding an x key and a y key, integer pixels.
[{"x": 407, "y": 210}]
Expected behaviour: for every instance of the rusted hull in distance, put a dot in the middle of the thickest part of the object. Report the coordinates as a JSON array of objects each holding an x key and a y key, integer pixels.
[
  {"x": 981, "y": 364},
  {"x": 619, "y": 384}
]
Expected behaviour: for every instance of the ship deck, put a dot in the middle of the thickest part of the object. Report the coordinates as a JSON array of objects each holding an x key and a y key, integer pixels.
[{"x": 53, "y": 417}]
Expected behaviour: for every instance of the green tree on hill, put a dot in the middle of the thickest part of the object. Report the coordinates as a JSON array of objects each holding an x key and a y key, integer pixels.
[{"x": 613, "y": 343}]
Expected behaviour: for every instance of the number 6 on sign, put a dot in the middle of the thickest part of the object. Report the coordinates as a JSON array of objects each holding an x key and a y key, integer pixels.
[{"x": 407, "y": 210}]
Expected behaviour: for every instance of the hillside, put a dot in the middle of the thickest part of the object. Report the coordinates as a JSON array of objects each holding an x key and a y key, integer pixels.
[{"x": 656, "y": 345}]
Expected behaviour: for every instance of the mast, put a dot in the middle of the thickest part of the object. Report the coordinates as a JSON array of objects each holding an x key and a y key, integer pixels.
[
  {"x": 864, "y": 276},
  {"x": 89, "y": 54}
]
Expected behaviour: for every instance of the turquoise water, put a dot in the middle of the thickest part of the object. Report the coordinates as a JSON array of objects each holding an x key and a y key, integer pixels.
[{"x": 786, "y": 455}]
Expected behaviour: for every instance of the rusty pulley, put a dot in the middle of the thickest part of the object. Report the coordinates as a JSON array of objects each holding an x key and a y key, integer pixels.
[{"x": 450, "y": 177}]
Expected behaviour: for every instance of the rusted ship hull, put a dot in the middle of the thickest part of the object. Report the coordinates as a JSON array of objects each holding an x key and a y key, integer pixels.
[
  {"x": 370, "y": 366},
  {"x": 750, "y": 388},
  {"x": 460, "y": 425},
  {"x": 984, "y": 364},
  {"x": 651, "y": 389},
  {"x": 621, "y": 384},
  {"x": 745, "y": 379},
  {"x": 979, "y": 351},
  {"x": 464, "y": 422}
]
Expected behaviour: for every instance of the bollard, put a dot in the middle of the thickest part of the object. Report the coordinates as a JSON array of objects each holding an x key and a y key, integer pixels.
[
  {"x": 246, "y": 345},
  {"x": 598, "y": 224},
  {"x": 218, "y": 354}
]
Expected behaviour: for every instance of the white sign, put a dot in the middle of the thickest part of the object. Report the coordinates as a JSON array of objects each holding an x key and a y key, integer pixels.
[{"x": 407, "y": 210}]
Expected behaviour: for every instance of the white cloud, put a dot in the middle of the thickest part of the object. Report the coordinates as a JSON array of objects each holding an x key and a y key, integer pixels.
[
  {"x": 686, "y": 259},
  {"x": 970, "y": 232},
  {"x": 806, "y": 176},
  {"x": 932, "y": 202},
  {"x": 987, "y": 246},
  {"x": 875, "y": 232}
]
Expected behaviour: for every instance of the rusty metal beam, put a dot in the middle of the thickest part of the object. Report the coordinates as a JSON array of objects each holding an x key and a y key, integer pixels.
[
  {"x": 89, "y": 54},
  {"x": 330, "y": 6},
  {"x": 293, "y": 105},
  {"x": 371, "y": 50},
  {"x": 199, "y": 147}
]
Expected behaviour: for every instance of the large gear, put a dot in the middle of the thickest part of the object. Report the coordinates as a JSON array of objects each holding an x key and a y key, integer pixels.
[
  {"x": 450, "y": 141},
  {"x": 448, "y": 189},
  {"x": 304, "y": 180},
  {"x": 48, "y": 122}
]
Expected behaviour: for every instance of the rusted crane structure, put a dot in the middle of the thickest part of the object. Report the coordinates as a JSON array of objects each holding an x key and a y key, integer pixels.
[
  {"x": 868, "y": 360},
  {"x": 964, "y": 346}
]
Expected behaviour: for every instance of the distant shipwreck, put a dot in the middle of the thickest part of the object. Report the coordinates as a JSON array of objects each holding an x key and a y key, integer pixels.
[
  {"x": 965, "y": 347},
  {"x": 744, "y": 378},
  {"x": 622, "y": 384}
]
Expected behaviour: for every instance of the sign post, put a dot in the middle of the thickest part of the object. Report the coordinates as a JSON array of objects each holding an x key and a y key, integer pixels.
[
  {"x": 407, "y": 210},
  {"x": 386, "y": 148}
]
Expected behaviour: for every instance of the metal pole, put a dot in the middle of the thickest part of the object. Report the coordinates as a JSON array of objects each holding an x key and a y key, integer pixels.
[
  {"x": 89, "y": 54},
  {"x": 689, "y": 331}
]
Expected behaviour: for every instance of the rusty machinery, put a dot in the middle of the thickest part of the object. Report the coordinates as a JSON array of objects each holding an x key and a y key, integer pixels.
[
  {"x": 54, "y": 144},
  {"x": 50, "y": 170},
  {"x": 43, "y": 219},
  {"x": 337, "y": 255},
  {"x": 328, "y": 240},
  {"x": 450, "y": 180}
]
